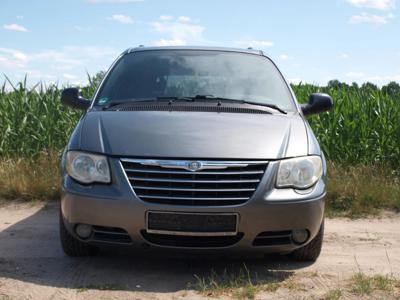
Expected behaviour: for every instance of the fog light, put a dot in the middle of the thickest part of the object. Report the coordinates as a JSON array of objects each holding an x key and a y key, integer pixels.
[
  {"x": 300, "y": 236},
  {"x": 83, "y": 230}
]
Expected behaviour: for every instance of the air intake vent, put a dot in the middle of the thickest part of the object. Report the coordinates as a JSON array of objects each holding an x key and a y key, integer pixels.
[
  {"x": 273, "y": 238},
  {"x": 192, "y": 241},
  {"x": 191, "y": 107},
  {"x": 215, "y": 183},
  {"x": 110, "y": 235}
]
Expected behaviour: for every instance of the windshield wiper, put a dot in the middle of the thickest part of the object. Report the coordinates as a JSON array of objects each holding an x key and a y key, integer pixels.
[
  {"x": 172, "y": 99},
  {"x": 211, "y": 97},
  {"x": 141, "y": 100}
]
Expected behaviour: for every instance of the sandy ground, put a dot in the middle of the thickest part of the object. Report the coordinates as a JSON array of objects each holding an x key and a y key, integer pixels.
[{"x": 33, "y": 266}]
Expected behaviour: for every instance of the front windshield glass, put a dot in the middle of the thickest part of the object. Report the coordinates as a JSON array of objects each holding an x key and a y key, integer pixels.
[{"x": 187, "y": 73}]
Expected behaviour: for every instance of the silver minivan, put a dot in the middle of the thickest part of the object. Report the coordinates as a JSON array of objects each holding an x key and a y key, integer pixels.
[{"x": 196, "y": 148}]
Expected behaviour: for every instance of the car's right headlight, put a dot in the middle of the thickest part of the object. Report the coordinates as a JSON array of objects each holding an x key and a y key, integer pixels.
[
  {"x": 87, "y": 168},
  {"x": 300, "y": 172}
]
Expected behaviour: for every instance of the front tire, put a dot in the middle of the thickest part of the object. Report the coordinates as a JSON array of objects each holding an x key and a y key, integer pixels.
[
  {"x": 72, "y": 246},
  {"x": 312, "y": 250}
]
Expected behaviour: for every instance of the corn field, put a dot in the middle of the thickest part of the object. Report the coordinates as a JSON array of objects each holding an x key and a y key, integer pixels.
[{"x": 364, "y": 126}]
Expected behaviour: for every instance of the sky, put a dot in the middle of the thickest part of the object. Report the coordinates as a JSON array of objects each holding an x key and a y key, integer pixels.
[{"x": 311, "y": 41}]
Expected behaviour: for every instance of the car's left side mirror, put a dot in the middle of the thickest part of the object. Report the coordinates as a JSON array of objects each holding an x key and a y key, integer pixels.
[
  {"x": 72, "y": 98},
  {"x": 317, "y": 103}
]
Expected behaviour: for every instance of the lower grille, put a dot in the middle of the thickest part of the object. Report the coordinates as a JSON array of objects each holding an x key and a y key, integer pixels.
[
  {"x": 191, "y": 241},
  {"x": 110, "y": 235},
  {"x": 198, "y": 224},
  {"x": 211, "y": 183},
  {"x": 273, "y": 238}
]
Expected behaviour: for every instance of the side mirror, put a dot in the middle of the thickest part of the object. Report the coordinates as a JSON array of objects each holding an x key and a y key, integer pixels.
[
  {"x": 72, "y": 97},
  {"x": 317, "y": 103}
]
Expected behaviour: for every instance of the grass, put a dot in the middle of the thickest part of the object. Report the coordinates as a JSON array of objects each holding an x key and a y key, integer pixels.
[
  {"x": 360, "y": 190},
  {"x": 30, "y": 180},
  {"x": 383, "y": 282},
  {"x": 335, "y": 294},
  {"x": 365, "y": 285},
  {"x": 239, "y": 284},
  {"x": 362, "y": 284}
]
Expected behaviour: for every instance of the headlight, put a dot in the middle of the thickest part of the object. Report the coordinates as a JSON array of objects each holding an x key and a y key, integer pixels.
[
  {"x": 87, "y": 168},
  {"x": 299, "y": 172}
]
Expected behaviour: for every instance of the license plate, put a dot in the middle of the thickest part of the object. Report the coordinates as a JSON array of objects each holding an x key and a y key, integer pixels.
[{"x": 195, "y": 224}]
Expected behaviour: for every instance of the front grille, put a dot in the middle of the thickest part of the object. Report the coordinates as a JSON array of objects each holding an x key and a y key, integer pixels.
[
  {"x": 191, "y": 241},
  {"x": 215, "y": 184}
]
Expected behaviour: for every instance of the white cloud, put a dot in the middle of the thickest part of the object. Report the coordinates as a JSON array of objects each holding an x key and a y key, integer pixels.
[
  {"x": 344, "y": 56},
  {"x": 179, "y": 31},
  {"x": 172, "y": 42},
  {"x": 383, "y": 79},
  {"x": 376, "y": 4},
  {"x": 166, "y": 18},
  {"x": 370, "y": 18},
  {"x": 355, "y": 74},
  {"x": 71, "y": 57},
  {"x": 184, "y": 19},
  {"x": 66, "y": 64},
  {"x": 12, "y": 58},
  {"x": 82, "y": 28},
  {"x": 121, "y": 19},
  {"x": 15, "y": 27},
  {"x": 18, "y": 55},
  {"x": 377, "y": 79},
  {"x": 258, "y": 44},
  {"x": 69, "y": 76},
  {"x": 284, "y": 56},
  {"x": 261, "y": 44},
  {"x": 20, "y": 17},
  {"x": 112, "y": 1}
]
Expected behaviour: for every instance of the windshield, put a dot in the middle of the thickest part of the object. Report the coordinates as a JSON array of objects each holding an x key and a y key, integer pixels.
[{"x": 187, "y": 73}]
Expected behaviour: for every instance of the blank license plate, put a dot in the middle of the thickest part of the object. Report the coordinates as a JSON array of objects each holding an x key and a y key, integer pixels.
[{"x": 200, "y": 224}]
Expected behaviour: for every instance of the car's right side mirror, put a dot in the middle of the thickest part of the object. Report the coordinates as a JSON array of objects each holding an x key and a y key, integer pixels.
[{"x": 317, "y": 103}]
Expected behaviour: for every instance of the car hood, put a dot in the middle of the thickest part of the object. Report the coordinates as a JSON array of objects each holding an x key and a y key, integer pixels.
[{"x": 194, "y": 134}]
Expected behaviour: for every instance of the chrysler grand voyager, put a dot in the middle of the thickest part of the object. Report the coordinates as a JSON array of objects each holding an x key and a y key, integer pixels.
[{"x": 194, "y": 148}]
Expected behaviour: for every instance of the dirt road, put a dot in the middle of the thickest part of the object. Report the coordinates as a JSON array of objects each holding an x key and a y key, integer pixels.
[{"x": 32, "y": 265}]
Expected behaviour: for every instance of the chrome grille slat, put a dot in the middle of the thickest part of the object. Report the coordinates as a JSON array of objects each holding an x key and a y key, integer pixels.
[
  {"x": 192, "y": 198},
  {"x": 189, "y": 181},
  {"x": 198, "y": 172},
  {"x": 190, "y": 189},
  {"x": 175, "y": 182}
]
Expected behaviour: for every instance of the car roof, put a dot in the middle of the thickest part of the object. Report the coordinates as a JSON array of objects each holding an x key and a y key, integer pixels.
[{"x": 204, "y": 48}]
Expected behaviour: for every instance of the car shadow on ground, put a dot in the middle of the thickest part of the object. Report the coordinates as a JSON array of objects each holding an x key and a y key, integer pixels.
[{"x": 30, "y": 251}]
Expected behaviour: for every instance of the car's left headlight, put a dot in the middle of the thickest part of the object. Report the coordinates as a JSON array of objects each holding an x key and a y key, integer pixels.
[
  {"x": 300, "y": 172},
  {"x": 87, "y": 168}
]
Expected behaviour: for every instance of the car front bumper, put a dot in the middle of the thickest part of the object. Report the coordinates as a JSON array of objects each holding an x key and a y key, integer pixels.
[{"x": 270, "y": 211}]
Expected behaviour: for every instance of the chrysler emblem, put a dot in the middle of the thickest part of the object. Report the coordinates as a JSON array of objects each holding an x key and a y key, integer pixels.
[{"x": 194, "y": 165}]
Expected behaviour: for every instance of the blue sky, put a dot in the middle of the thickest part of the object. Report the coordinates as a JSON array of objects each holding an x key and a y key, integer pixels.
[{"x": 311, "y": 41}]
